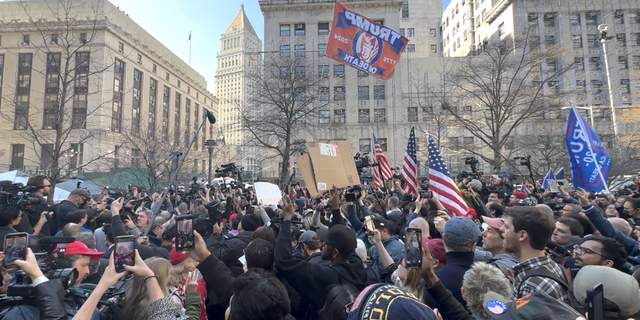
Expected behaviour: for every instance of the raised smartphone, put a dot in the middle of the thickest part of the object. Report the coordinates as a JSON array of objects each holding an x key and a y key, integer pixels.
[
  {"x": 413, "y": 248},
  {"x": 15, "y": 248},
  {"x": 125, "y": 248},
  {"x": 184, "y": 240},
  {"x": 368, "y": 224},
  {"x": 595, "y": 302}
]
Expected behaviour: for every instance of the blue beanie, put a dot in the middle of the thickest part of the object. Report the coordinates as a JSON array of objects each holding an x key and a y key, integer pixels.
[{"x": 385, "y": 301}]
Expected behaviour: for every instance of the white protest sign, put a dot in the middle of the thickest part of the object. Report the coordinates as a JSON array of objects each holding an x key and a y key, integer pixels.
[{"x": 269, "y": 193}]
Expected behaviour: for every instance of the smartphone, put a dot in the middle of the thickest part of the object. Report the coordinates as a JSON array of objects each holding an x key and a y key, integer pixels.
[
  {"x": 125, "y": 248},
  {"x": 368, "y": 224},
  {"x": 595, "y": 302},
  {"x": 413, "y": 248},
  {"x": 15, "y": 248},
  {"x": 184, "y": 240}
]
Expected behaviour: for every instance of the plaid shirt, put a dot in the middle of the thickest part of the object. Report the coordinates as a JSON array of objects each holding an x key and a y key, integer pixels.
[{"x": 535, "y": 283}]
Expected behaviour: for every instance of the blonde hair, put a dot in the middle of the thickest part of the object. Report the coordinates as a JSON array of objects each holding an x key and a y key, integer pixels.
[
  {"x": 137, "y": 295},
  {"x": 414, "y": 283},
  {"x": 180, "y": 272}
]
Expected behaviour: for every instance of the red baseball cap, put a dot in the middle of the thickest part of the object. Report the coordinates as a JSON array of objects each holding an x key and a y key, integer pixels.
[
  {"x": 436, "y": 246},
  {"x": 80, "y": 248},
  {"x": 176, "y": 257},
  {"x": 495, "y": 223}
]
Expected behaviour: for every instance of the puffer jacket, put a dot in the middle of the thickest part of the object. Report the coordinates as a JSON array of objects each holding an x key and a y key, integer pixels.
[{"x": 49, "y": 297}]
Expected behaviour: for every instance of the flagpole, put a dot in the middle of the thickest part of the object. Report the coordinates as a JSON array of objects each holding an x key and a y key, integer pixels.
[
  {"x": 588, "y": 133},
  {"x": 190, "y": 48}
]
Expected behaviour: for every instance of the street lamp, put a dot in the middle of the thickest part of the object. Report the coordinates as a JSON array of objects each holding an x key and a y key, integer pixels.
[
  {"x": 210, "y": 145},
  {"x": 603, "y": 28}
]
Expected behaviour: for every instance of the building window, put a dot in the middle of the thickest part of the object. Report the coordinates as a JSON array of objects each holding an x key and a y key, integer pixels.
[
  {"x": 139, "y": 59},
  {"x": 338, "y": 93},
  {"x": 596, "y": 86},
  {"x": 26, "y": 39},
  {"x": 17, "y": 157},
  {"x": 322, "y": 49},
  {"x": 324, "y": 116},
  {"x": 618, "y": 17},
  {"x": 635, "y": 61},
  {"x": 575, "y": 19},
  {"x": 411, "y": 47},
  {"x": 364, "y": 116},
  {"x": 412, "y": 114},
  {"x": 411, "y": 32},
  {"x": 592, "y": 40},
  {"x": 379, "y": 92},
  {"x": 549, "y": 20},
  {"x": 580, "y": 86},
  {"x": 300, "y": 29},
  {"x": 622, "y": 62},
  {"x": 594, "y": 63},
  {"x": 434, "y": 48},
  {"x": 323, "y": 70},
  {"x": 621, "y": 39},
  {"x": 433, "y": 33},
  {"x": 363, "y": 93},
  {"x": 405, "y": 9},
  {"x": 552, "y": 65},
  {"x": 120, "y": 47},
  {"x": 323, "y": 29},
  {"x": 300, "y": 50},
  {"x": 550, "y": 40},
  {"x": 338, "y": 71},
  {"x": 592, "y": 18},
  {"x": 365, "y": 145},
  {"x": 285, "y": 71},
  {"x": 636, "y": 37},
  {"x": 153, "y": 96},
  {"x": 155, "y": 68},
  {"x": 579, "y": 63},
  {"x": 339, "y": 116},
  {"x": 380, "y": 115},
  {"x": 554, "y": 87},
  {"x": 501, "y": 29},
  {"x": 577, "y": 41},
  {"x": 285, "y": 50},
  {"x": 362, "y": 74},
  {"x": 167, "y": 76},
  {"x": 285, "y": 30},
  {"x": 187, "y": 120},
  {"x": 179, "y": 82},
  {"x": 402, "y": 32},
  {"x": 625, "y": 86},
  {"x": 301, "y": 71}
]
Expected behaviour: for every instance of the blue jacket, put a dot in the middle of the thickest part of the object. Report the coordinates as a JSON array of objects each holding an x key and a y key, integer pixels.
[
  {"x": 355, "y": 222},
  {"x": 451, "y": 275},
  {"x": 393, "y": 247},
  {"x": 606, "y": 229}
]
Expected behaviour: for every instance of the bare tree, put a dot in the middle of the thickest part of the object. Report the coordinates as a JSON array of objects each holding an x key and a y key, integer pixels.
[
  {"x": 491, "y": 94},
  {"x": 284, "y": 101},
  {"x": 68, "y": 37}
]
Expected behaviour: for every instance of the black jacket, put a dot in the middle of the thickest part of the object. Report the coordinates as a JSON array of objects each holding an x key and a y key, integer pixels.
[
  {"x": 448, "y": 306},
  {"x": 33, "y": 213},
  {"x": 49, "y": 297},
  {"x": 229, "y": 250},
  {"x": 117, "y": 228},
  {"x": 458, "y": 263},
  {"x": 62, "y": 209},
  {"x": 313, "y": 280}
]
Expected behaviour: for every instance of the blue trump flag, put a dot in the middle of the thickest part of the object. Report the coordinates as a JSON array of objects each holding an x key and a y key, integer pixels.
[
  {"x": 545, "y": 183},
  {"x": 561, "y": 175},
  {"x": 590, "y": 161}
]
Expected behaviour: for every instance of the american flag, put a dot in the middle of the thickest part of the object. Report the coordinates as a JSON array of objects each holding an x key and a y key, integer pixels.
[
  {"x": 410, "y": 168},
  {"x": 442, "y": 185},
  {"x": 382, "y": 172}
]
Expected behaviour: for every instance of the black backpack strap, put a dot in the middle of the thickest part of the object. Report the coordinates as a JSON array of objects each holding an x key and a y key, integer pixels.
[{"x": 544, "y": 273}]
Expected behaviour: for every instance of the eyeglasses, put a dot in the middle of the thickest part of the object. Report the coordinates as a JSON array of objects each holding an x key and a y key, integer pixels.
[
  {"x": 47, "y": 186},
  {"x": 583, "y": 250},
  {"x": 347, "y": 307}
]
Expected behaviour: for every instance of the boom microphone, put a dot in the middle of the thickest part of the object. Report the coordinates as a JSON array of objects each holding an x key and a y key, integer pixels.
[{"x": 211, "y": 117}]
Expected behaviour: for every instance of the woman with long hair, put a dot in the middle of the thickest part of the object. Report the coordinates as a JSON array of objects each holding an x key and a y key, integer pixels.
[{"x": 137, "y": 297}]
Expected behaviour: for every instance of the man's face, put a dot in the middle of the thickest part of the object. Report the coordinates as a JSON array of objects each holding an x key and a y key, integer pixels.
[
  {"x": 634, "y": 213},
  {"x": 566, "y": 211},
  {"x": 621, "y": 200},
  {"x": 562, "y": 234},
  {"x": 82, "y": 265},
  {"x": 603, "y": 201},
  {"x": 327, "y": 252},
  {"x": 636, "y": 231},
  {"x": 513, "y": 201},
  {"x": 492, "y": 240},
  {"x": 384, "y": 234},
  {"x": 493, "y": 197},
  {"x": 47, "y": 187},
  {"x": 611, "y": 211},
  {"x": 511, "y": 241},
  {"x": 141, "y": 220},
  {"x": 588, "y": 254}
]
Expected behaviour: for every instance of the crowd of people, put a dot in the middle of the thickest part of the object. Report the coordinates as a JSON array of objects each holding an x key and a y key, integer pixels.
[{"x": 520, "y": 253}]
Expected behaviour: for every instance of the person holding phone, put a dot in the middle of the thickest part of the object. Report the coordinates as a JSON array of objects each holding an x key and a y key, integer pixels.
[
  {"x": 390, "y": 242},
  {"x": 10, "y": 217}
]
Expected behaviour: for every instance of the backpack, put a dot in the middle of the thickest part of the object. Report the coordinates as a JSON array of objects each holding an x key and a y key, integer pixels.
[{"x": 545, "y": 273}]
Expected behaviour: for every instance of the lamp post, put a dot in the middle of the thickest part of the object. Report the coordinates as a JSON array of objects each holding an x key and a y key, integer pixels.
[
  {"x": 210, "y": 145},
  {"x": 603, "y": 28}
]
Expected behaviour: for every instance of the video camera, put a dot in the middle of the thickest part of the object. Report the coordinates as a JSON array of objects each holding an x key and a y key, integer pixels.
[
  {"x": 362, "y": 161},
  {"x": 215, "y": 214},
  {"x": 353, "y": 193},
  {"x": 17, "y": 193},
  {"x": 524, "y": 161},
  {"x": 229, "y": 170},
  {"x": 473, "y": 163}
]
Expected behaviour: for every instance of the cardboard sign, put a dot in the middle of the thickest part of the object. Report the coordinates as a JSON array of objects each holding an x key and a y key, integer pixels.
[
  {"x": 326, "y": 165},
  {"x": 364, "y": 44},
  {"x": 269, "y": 193}
]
